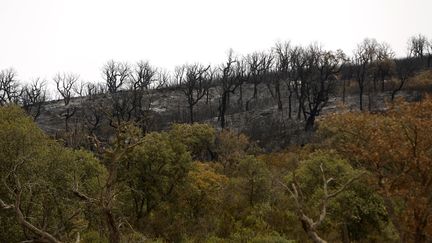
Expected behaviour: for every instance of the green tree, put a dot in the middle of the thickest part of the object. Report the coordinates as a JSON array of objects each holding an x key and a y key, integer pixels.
[
  {"x": 395, "y": 147},
  {"x": 199, "y": 138},
  {"x": 254, "y": 180},
  {"x": 37, "y": 178},
  {"x": 153, "y": 170},
  {"x": 230, "y": 149},
  {"x": 329, "y": 197}
]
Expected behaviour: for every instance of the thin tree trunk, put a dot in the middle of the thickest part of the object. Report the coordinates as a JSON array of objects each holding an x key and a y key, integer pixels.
[
  {"x": 290, "y": 105},
  {"x": 222, "y": 109},
  {"x": 343, "y": 91},
  {"x": 191, "y": 117},
  {"x": 345, "y": 233},
  {"x": 278, "y": 95},
  {"x": 240, "y": 100},
  {"x": 22, "y": 220},
  {"x": 311, "y": 233},
  {"x": 114, "y": 233},
  {"x": 393, "y": 218},
  {"x": 310, "y": 121}
]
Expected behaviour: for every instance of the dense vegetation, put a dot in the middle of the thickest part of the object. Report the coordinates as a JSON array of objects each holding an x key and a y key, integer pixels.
[
  {"x": 110, "y": 176},
  {"x": 366, "y": 178}
]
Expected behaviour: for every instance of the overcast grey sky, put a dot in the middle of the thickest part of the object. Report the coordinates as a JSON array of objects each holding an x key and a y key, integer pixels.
[{"x": 42, "y": 37}]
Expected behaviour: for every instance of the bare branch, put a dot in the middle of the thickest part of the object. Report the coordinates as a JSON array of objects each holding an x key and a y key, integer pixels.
[
  {"x": 65, "y": 83},
  {"x": 5, "y": 206}
]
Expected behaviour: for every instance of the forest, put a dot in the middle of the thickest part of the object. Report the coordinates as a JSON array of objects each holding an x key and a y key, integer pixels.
[{"x": 113, "y": 171}]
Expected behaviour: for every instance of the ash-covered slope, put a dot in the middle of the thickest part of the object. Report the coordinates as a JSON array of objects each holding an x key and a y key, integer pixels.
[{"x": 260, "y": 118}]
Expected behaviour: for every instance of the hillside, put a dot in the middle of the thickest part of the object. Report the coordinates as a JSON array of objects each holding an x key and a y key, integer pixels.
[{"x": 263, "y": 122}]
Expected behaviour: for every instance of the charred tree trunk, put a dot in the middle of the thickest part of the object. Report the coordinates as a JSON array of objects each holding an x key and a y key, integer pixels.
[
  {"x": 222, "y": 110},
  {"x": 393, "y": 94},
  {"x": 290, "y": 105},
  {"x": 191, "y": 116},
  {"x": 278, "y": 95},
  {"x": 361, "y": 89},
  {"x": 240, "y": 99},
  {"x": 310, "y": 122},
  {"x": 343, "y": 90}
]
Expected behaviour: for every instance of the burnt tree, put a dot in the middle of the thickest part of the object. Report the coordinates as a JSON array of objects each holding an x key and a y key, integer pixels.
[
  {"x": 321, "y": 82},
  {"x": 64, "y": 84},
  {"x": 283, "y": 74},
  {"x": 115, "y": 75},
  {"x": 232, "y": 75},
  {"x": 364, "y": 56},
  {"x": 193, "y": 80},
  {"x": 259, "y": 64},
  {"x": 33, "y": 97},
  {"x": 9, "y": 87}
]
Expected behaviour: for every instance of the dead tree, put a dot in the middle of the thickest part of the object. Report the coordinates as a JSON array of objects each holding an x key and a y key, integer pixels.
[
  {"x": 116, "y": 75},
  {"x": 133, "y": 101},
  {"x": 283, "y": 65},
  {"x": 405, "y": 69},
  {"x": 347, "y": 74},
  {"x": 9, "y": 87},
  {"x": 162, "y": 80},
  {"x": 259, "y": 64},
  {"x": 310, "y": 226},
  {"x": 298, "y": 74},
  {"x": 324, "y": 67},
  {"x": 120, "y": 108},
  {"x": 95, "y": 107},
  {"x": 93, "y": 90},
  {"x": 33, "y": 97},
  {"x": 93, "y": 116},
  {"x": 128, "y": 87},
  {"x": 232, "y": 75},
  {"x": 429, "y": 60},
  {"x": 143, "y": 76},
  {"x": 383, "y": 67},
  {"x": 86, "y": 89},
  {"x": 364, "y": 56},
  {"x": 418, "y": 46},
  {"x": 194, "y": 81},
  {"x": 143, "y": 79},
  {"x": 64, "y": 84}
]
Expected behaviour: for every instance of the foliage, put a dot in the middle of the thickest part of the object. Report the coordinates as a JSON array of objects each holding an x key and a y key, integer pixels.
[
  {"x": 395, "y": 148},
  {"x": 44, "y": 175},
  {"x": 199, "y": 138},
  {"x": 231, "y": 148},
  {"x": 194, "y": 184},
  {"x": 357, "y": 211},
  {"x": 421, "y": 81},
  {"x": 153, "y": 170}
]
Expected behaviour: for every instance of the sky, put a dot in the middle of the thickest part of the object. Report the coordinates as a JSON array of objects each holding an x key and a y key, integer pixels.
[{"x": 39, "y": 38}]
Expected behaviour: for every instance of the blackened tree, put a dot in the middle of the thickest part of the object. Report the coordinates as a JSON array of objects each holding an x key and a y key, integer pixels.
[
  {"x": 33, "y": 97},
  {"x": 9, "y": 87},
  {"x": 116, "y": 75},
  {"x": 232, "y": 74},
  {"x": 65, "y": 83},
  {"x": 364, "y": 56},
  {"x": 194, "y": 81}
]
